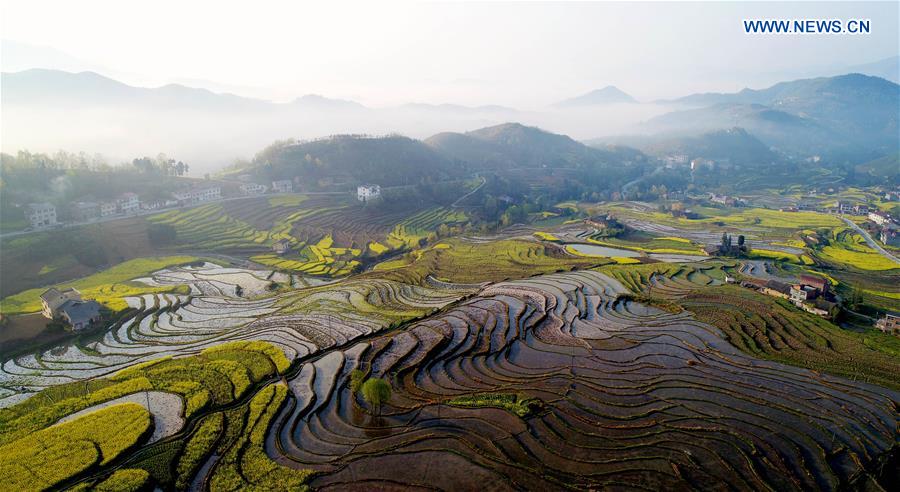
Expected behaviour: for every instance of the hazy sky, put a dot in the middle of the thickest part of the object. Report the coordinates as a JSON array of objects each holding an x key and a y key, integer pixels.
[{"x": 379, "y": 53}]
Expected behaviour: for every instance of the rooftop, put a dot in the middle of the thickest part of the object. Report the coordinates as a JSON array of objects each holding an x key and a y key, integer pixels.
[{"x": 80, "y": 311}]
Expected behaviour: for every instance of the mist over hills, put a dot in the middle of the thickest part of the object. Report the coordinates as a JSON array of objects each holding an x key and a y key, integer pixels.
[{"x": 848, "y": 118}]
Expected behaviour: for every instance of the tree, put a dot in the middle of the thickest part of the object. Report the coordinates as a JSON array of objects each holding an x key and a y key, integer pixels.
[
  {"x": 357, "y": 377},
  {"x": 376, "y": 391},
  {"x": 741, "y": 241}
]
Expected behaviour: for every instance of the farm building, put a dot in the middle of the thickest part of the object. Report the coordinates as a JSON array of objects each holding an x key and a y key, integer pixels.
[
  {"x": 281, "y": 246},
  {"x": 368, "y": 192},
  {"x": 80, "y": 314},
  {"x": 128, "y": 203},
  {"x": 816, "y": 282},
  {"x": 253, "y": 189},
  {"x": 890, "y": 235},
  {"x": 41, "y": 214},
  {"x": 107, "y": 209},
  {"x": 282, "y": 186},
  {"x": 879, "y": 217},
  {"x": 890, "y": 323},
  {"x": 82, "y": 211},
  {"x": 197, "y": 195},
  {"x": 53, "y": 298}
]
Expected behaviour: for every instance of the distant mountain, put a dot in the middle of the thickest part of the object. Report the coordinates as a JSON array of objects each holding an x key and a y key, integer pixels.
[
  {"x": 852, "y": 117},
  {"x": 512, "y": 145},
  {"x": 53, "y": 88},
  {"x": 606, "y": 95},
  {"x": 316, "y": 101},
  {"x": 457, "y": 108},
  {"x": 888, "y": 69}
]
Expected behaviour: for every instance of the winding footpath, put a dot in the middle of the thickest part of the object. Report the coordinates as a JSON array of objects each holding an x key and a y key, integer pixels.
[{"x": 871, "y": 242}]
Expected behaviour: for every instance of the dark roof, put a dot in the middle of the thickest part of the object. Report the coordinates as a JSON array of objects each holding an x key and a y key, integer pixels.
[
  {"x": 80, "y": 311},
  {"x": 779, "y": 286},
  {"x": 813, "y": 280}
]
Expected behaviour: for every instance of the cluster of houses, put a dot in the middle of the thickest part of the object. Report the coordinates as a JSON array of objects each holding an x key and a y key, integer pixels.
[
  {"x": 67, "y": 306},
  {"x": 197, "y": 194},
  {"x": 43, "y": 215},
  {"x": 810, "y": 293},
  {"x": 888, "y": 230},
  {"x": 730, "y": 201}
]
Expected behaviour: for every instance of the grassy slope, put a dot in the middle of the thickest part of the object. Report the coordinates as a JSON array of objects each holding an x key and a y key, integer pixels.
[
  {"x": 108, "y": 287},
  {"x": 772, "y": 329}
]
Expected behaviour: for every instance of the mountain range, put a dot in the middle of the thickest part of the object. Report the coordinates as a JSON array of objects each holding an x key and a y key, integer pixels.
[{"x": 848, "y": 118}]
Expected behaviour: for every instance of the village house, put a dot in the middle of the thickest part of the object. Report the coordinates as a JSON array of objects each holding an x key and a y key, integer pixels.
[
  {"x": 861, "y": 209},
  {"x": 775, "y": 288},
  {"x": 818, "y": 283},
  {"x": 879, "y": 217},
  {"x": 281, "y": 246},
  {"x": 84, "y": 211},
  {"x": 676, "y": 159},
  {"x": 80, "y": 315},
  {"x": 108, "y": 208},
  {"x": 198, "y": 195},
  {"x": 53, "y": 298},
  {"x": 368, "y": 192},
  {"x": 802, "y": 293},
  {"x": 890, "y": 235},
  {"x": 66, "y": 305},
  {"x": 128, "y": 203},
  {"x": 843, "y": 207},
  {"x": 890, "y": 323},
  {"x": 282, "y": 186},
  {"x": 726, "y": 200},
  {"x": 248, "y": 189},
  {"x": 41, "y": 214}
]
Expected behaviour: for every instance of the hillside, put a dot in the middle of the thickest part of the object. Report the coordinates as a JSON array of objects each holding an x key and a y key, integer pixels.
[
  {"x": 351, "y": 159},
  {"x": 849, "y": 117},
  {"x": 512, "y": 145},
  {"x": 734, "y": 145}
]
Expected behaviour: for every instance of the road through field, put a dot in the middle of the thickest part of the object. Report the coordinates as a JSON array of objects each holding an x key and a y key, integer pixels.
[{"x": 871, "y": 242}]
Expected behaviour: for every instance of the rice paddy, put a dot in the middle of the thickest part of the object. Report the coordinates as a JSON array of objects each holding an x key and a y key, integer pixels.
[{"x": 514, "y": 362}]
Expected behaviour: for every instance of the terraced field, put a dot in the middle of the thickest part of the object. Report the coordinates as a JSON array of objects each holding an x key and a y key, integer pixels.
[
  {"x": 623, "y": 396},
  {"x": 225, "y": 304},
  {"x": 579, "y": 373}
]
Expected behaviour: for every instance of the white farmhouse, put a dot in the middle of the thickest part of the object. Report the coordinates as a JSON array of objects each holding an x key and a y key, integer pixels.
[
  {"x": 282, "y": 186},
  {"x": 253, "y": 189},
  {"x": 128, "y": 203},
  {"x": 41, "y": 214},
  {"x": 108, "y": 208},
  {"x": 368, "y": 192},
  {"x": 197, "y": 195}
]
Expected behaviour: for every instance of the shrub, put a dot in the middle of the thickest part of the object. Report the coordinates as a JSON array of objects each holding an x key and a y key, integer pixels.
[
  {"x": 198, "y": 447},
  {"x": 126, "y": 480}
]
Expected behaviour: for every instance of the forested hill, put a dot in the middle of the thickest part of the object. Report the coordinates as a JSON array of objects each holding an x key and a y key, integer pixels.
[{"x": 397, "y": 161}]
